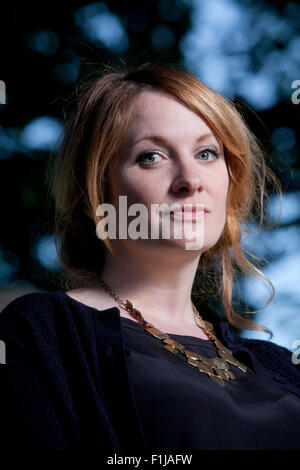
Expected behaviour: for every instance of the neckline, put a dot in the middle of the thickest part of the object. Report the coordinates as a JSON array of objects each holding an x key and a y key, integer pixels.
[
  {"x": 133, "y": 322},
  {"x": 64, "y": 294},
  {"x": 191, "y": 340}
]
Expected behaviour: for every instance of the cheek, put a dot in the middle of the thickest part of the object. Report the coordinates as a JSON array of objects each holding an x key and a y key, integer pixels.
[
  {"x": 121, "y": 184},
  {"x": 220, "y": 188},
  {"x": 224, "y": 182},
  {"x": 132, "y": 185},
  {"x": 223, "y": 191}
]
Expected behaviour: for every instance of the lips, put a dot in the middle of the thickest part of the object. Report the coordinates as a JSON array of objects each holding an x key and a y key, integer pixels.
[
  {"x": 188, "y": 209},
  {"x": 195, "y": 208},
  {"x": 190, "y": 215}
]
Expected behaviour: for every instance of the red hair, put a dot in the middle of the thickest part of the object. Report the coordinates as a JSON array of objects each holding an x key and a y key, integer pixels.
[{"x": 80, "y": 178}]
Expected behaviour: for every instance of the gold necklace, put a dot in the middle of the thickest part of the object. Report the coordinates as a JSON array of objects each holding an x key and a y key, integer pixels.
[{"x": 216, "y": 368}]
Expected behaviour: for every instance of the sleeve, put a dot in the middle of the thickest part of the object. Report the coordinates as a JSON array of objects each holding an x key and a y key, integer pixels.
[{"x": 28, "y": 410}]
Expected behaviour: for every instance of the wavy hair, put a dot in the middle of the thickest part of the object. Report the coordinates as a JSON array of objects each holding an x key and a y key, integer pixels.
[{"x": 79, "y": 176}]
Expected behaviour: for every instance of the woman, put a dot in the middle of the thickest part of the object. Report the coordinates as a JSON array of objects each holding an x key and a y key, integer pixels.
[{"x": 123, "y": 359}]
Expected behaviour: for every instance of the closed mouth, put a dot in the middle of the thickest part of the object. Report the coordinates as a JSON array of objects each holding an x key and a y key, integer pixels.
[
  {"x": 187, "y": 211},
  {"x": 188, "y": 215}
]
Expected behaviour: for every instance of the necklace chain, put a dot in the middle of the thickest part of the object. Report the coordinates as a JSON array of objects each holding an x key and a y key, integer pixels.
[{"x": 216, "y": 368}]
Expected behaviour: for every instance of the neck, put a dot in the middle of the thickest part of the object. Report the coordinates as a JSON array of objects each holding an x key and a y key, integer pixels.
[{"x": 159, "y": 286}]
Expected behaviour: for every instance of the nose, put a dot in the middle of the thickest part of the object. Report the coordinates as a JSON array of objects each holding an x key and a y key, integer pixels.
[{"x": 187, "y": 180}]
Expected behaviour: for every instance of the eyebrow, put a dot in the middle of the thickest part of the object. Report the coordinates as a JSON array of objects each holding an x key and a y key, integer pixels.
[{"x": 161, "y": 140}]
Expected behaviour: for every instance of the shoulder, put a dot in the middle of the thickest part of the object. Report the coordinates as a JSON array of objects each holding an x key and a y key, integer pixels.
[
  {"x": 30, "y": 299},
  {"x": 42, "y": 304},
  {"x": 49, "y": 313},
  {"x": 30, "y": 304},
  {"x": 33, "y": 314},
  {"x": 274, "y": 360},
  {"x": 266, "y": 349},
  {"x": 27, "y": 329}
]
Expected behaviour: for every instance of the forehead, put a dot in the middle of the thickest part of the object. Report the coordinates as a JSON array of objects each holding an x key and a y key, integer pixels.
[{"x": 159, "y": 113}]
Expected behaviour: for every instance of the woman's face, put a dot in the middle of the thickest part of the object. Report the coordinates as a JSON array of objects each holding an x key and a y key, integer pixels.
[{"x": 171, "y": 156}]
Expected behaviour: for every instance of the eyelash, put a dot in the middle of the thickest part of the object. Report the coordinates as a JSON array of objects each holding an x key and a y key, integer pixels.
[{"x": 139, "y": 158}]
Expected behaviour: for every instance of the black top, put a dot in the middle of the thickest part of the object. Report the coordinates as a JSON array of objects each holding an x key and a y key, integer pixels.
[
  {"x": 181, "y": 408},
  {"x": 79, "y": 378}
]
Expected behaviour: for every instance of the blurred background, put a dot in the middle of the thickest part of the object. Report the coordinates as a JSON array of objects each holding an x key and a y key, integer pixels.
[{"x": 247, "y": 50}]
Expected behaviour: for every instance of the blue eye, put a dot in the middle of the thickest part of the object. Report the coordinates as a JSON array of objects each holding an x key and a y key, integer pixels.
[
  {"x": 149, "y": 157},
  {"x": 143, "y": 156},
  {"x": 207, "y": 152}
]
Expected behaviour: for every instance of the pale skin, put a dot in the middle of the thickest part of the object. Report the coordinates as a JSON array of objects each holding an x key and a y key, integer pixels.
[{"x": 180, "y": 167}]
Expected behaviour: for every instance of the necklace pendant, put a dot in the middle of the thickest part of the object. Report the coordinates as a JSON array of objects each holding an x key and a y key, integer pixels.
[
  {"x": 171, "y": 348},
  {"x": 223, "y": 373},
  {"x": 191, "y": 354},
  {"x": 219, "y": 363},
  {"x": 175, "y": 344},
  {"x": 157, "y": 333},
  {"x": 229, "y": 374},
  {"x": 205, "y": 367},
  {"x": 230, "y": 359},
  {"x": 215, "y": 368},
  {"x": 241, "y": 366},
  {"x": 221, "y": 347},
  {"x": 227, "y": 355},
  {"x": 192, "y": 357},
  {"x": 218, "y": 380},
  {"x": 192, "y": 361}
]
